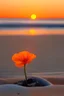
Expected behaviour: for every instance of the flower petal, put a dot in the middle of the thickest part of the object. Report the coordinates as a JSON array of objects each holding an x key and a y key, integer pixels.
[
  {"x": 19, "y": 64},
  {"x": 15, "y": 57},
  {"x": 23, "y": 54},
  {"x": 32, "y": 56},
  {"x": 22, "y": 58}
]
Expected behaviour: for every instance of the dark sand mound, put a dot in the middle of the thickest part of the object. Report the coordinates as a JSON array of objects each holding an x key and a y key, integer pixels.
[{"x": 53, "y": 79}]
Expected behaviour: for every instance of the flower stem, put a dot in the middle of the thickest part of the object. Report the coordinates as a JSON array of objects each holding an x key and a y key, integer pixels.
[{"x": 25, "y": 73}]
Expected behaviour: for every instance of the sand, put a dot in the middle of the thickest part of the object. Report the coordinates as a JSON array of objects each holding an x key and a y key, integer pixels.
[
  {"x": 48, "y": 48},
  {"x": 14, "y": 90},
  {"x": 55, "y": 80}
]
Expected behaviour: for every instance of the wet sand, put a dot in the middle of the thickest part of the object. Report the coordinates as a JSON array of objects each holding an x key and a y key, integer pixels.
[{"x": 48, "y": 48}]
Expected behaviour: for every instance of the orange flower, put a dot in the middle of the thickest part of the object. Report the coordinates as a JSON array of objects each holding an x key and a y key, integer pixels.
[{"x": 22, "y": 58}]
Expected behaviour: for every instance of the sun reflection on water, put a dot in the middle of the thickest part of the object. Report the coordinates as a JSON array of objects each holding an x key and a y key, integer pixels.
[{"x": 31, "y": 32}]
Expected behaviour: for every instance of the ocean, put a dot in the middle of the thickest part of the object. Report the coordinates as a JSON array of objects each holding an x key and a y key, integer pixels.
[{"x": 45, "y": 38}]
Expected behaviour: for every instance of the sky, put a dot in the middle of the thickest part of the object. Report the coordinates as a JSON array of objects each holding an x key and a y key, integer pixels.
[{"x": 25, "y": 8}]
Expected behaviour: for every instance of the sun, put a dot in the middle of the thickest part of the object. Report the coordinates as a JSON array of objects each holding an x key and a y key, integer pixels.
[{"x": 33, "y": 16}]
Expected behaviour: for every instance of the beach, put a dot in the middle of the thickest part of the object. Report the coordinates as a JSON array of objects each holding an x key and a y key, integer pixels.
[
  {"x": 49, "y": 49},
  {"x": 48, "y": 45}
]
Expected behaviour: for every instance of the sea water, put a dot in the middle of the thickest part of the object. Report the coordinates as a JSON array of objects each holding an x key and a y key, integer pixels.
[{"x": 45, "y": 38}]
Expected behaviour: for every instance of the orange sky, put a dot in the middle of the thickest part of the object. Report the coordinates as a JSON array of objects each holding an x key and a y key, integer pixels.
[{"x": 24, "y": 8}]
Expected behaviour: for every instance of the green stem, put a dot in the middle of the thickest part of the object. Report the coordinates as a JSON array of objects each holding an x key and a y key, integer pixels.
[{"x": 25, "y": 73}]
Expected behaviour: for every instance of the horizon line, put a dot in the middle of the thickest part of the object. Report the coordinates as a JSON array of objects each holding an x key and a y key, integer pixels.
[{"x": 36, "y": 18}]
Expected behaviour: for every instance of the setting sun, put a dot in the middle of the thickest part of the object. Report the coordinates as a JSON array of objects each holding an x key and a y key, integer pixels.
[{"x": 33, "y": 16}]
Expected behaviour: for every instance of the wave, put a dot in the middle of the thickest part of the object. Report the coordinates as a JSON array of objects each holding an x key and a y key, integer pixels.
[
  {"x": 30, "y": 23},
  {"x": 19, "y": 25}
]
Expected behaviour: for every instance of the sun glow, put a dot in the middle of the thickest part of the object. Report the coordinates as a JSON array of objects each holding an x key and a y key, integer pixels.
[
  {"x": 32, "y": 32},
  {"x": 33, "y": 16}
]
